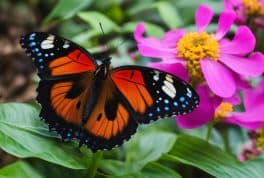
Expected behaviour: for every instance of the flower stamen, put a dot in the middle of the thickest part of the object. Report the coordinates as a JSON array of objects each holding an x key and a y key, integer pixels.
[
  {"x": 253, "y": 7},
  {"x": 223, "y": 111},
  {"x": 196, "y": 46}
]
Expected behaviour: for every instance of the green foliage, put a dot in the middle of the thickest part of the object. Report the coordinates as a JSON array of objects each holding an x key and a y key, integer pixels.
[{"x": 156, "y": 150}]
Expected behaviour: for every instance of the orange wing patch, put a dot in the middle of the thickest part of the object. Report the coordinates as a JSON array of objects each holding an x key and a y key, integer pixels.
[
  {"x": 98, "y": 124},
  {"x": 69, "y": 109},
  {"x": 75, "y": 62},
  {"x": 131, "y": 84},
  {"x": 108, "y": 128}
]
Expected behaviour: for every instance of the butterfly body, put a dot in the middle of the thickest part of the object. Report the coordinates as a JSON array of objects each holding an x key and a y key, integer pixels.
[{"x": 95, "y": 104}]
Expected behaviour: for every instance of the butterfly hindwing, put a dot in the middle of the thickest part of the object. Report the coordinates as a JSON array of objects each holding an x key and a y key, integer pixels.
[
  {"x": 110, "y": 122},
  {"x": 63, "y": 103},
  {"x": 153, "y": 93},
  {"x": 55, "y": 56}
]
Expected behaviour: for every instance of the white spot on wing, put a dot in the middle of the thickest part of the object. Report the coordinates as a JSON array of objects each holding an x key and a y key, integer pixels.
[
  {"x": 46, "y": 44},
  {"x": 66, "y": 44},
  {"x": 169, "y": 89}
]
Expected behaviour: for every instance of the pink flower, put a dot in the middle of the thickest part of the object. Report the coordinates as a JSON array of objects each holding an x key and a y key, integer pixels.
[
  {"x": 246, "y": 10},
  {"x": 207, "y": 57},
  {"x": 248, "y": 151},
  {"x": 214, "y": 108}
]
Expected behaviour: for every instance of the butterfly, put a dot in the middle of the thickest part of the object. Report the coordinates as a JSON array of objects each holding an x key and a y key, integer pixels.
[{"x": 99, "y": 106}]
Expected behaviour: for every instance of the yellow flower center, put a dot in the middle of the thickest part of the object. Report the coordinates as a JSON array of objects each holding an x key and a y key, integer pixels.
[
  {"x": 260, "y": 138},
  {"x": 195, "y": 46},
  {"x": 253, "y": 7},
  {"x": 222, "y": 111}
]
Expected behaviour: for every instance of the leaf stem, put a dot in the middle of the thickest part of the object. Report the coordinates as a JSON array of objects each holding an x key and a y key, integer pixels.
[
  {"x": 209, "y": 131},
  {"x": 95, "y": 161}
]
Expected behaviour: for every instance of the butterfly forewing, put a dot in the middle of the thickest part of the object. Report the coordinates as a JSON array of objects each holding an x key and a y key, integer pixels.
[
  {"x": 55, "y": 56},
  {"x": 153, "y": 93}
]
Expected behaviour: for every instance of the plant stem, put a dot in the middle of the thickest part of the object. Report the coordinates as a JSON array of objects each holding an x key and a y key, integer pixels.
[
  {"x": 209, "y": 131},
  {"x": 95, "y": 161}
]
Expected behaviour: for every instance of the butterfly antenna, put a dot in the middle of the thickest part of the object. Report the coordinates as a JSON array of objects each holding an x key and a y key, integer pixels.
[
  {"x": 101, "y": 28},
  {"x": 106, "y": 44}
]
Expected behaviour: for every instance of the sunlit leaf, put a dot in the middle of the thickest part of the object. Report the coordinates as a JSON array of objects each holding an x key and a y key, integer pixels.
[
  {"x": 19, "y": 169},
  {"x": 22, "y": 134},
  {"x": 169, "y": 14},
  {"x": 148, "y": 146},
  {"x": 152, "y": 29},
  {"x": 93, "y": 18},
  {"x": 65, "y": 9},
  {"x": 213, "y": 160}
]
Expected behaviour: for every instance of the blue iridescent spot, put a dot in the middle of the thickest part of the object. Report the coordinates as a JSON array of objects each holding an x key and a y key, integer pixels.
[
  {"x": 166, "y": 108},
  {"x": 39, "y": 54},
  {"x": 182, "y": 99},
  {"x": 36, "y": 49},
  {"x": 69, "y": 134},
  {"x": 175, "y": 103},
  {"x": 33, "y": 34},
  {"x": 41, "y": 67},
  {"x": 32, "y": 44},
  {"x": 31, "y": 38},
  {"x": 150, "y": 114},
  {"x": 158, "y": 109},
  {"x": 40, "y": 60},
  {"x": 186, "y": 102},
  {"x": 46, "y": 55},
  {"x": 166, "y": 101},
  {"x": 183, "y": 105}
]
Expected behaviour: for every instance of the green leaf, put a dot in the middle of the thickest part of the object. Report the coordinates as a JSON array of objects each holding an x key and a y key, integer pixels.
[
  {"x": 93, "y": 18},
  {"x": 211, "y": 159},
  {"x": 169, "y": 14},
  {"x": 22, "y": 134},
  {"x": 119, "y": 169},
  {"x": 152, "y": 29},
  {"x": 66, "y": 9},
  {"x": 19, "y": 169},
  {"x": 148, "y": 146}
]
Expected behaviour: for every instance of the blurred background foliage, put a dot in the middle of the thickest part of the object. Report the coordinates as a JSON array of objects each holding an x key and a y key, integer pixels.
[{"x": 160, "y": 149}]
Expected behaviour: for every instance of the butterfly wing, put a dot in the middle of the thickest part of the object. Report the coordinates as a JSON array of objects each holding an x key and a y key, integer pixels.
[
  {"x": 154, "y": 94},
  {"x": 55, "y": 56},
  {"x": 66, "y": 72},
  {"x": 110, "y": 122}
]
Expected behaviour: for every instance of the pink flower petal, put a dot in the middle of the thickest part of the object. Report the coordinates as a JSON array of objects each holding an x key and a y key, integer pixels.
[
  {"x": 152, "y": 47},
  {"x": 243, "y": 42},
  {"x": 254, "y": 97},
  {"x": 226, "y": 19},
  {"x": 176, "y": 69},
  {"x": 171, "y": 38},
  {"x": 203, "y": 17},
  {"x": 219, "y": 79},
  {"x": 234, "y": 100},
  {"x": 201, "y": 115},
  {"x": 247, "y": 67},
  {"x": 246, "y": 120}
]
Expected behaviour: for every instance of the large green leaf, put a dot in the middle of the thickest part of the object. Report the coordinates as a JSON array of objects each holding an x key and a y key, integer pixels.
[
  {"x": 94, "y": 18},
  {"x": 169, "y": 14},
  {"x": 65, "y": 9},
  {"x": 148, "y": 146},
  {"x": 19, "y": 169},
  {"x": 22, "y": 134},
  {"x": 211, "y": 159},
  {"x": 153, "y": 170},
  {"x": 152, "y": 29}
]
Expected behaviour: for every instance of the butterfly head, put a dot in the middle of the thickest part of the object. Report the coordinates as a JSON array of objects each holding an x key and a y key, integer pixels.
[{"x": 103, "y": 69}]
